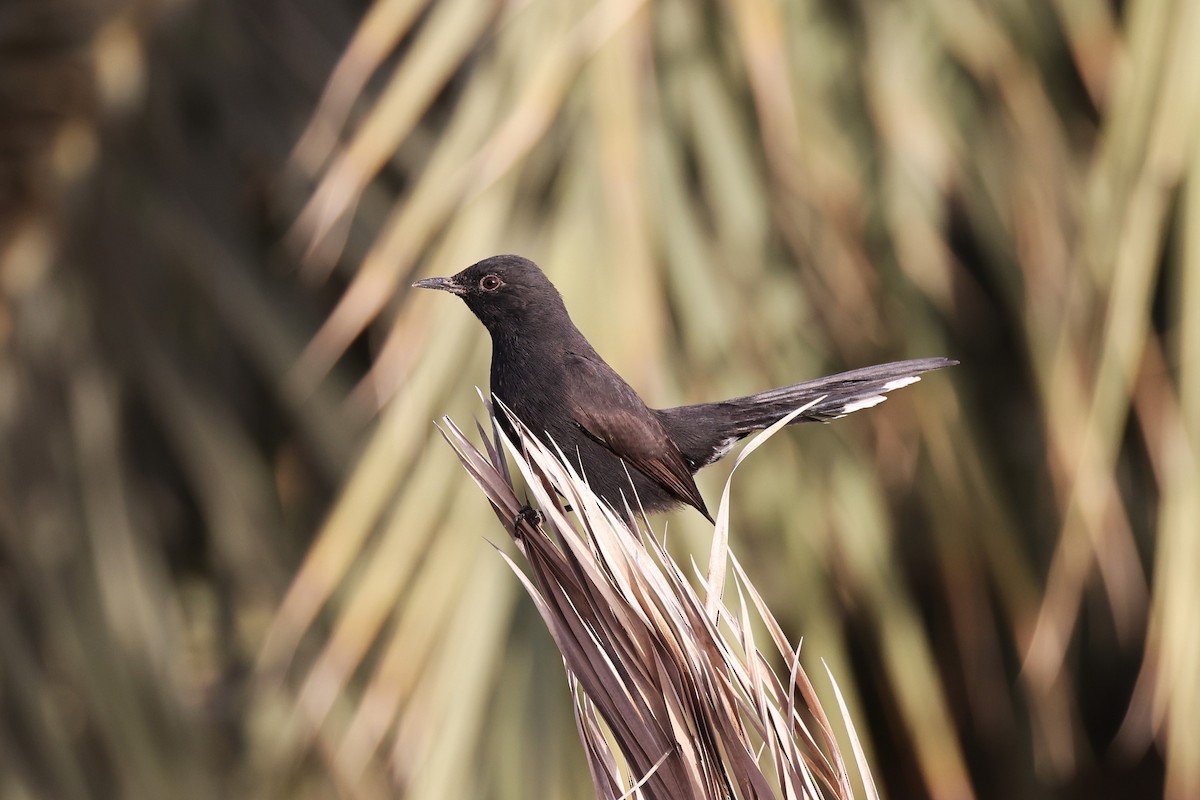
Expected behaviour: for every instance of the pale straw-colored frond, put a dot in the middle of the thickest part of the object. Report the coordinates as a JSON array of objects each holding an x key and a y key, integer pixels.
[{"x": 673, "y": 695}]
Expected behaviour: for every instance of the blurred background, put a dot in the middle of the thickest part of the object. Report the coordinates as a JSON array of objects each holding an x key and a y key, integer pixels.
[{"x": 238, "y": 560}]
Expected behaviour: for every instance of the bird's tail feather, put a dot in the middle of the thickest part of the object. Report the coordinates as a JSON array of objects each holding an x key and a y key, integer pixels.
[
  {"x": 839, "y": 394},
  {"x": 728, "y": 421}
]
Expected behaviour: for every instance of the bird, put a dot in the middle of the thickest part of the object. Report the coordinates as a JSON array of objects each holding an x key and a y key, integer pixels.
[{"x": 547, "y": 374}]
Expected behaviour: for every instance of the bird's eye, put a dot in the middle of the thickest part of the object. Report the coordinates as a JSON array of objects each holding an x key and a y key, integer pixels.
[{"x": 490, "y": 283}]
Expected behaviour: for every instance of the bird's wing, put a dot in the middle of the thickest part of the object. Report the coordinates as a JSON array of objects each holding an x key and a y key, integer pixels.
[{"x": 609, "y": 412}]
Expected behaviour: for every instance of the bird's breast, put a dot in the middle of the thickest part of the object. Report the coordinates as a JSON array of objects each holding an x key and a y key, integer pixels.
[{"x": 531, "y": 385}]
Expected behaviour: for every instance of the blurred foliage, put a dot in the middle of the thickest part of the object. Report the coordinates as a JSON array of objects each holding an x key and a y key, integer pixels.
[{"x": 237, "y": 560}]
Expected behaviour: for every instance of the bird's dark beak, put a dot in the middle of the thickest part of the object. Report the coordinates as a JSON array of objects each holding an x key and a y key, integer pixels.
[{"x": 445, "y": 284}]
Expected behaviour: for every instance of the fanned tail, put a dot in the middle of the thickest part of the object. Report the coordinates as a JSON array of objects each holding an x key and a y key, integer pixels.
[{"x": 707, "y": 431}]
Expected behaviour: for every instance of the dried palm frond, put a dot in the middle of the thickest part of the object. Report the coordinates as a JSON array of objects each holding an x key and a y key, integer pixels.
[{"x": 673, "y": 697}]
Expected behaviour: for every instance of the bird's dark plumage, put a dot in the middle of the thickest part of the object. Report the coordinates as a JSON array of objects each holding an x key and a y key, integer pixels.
[{"x": 544, "y": 370}]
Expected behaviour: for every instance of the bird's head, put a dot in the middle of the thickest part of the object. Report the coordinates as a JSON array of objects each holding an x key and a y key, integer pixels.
[{"x": 505, "y": 292}]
